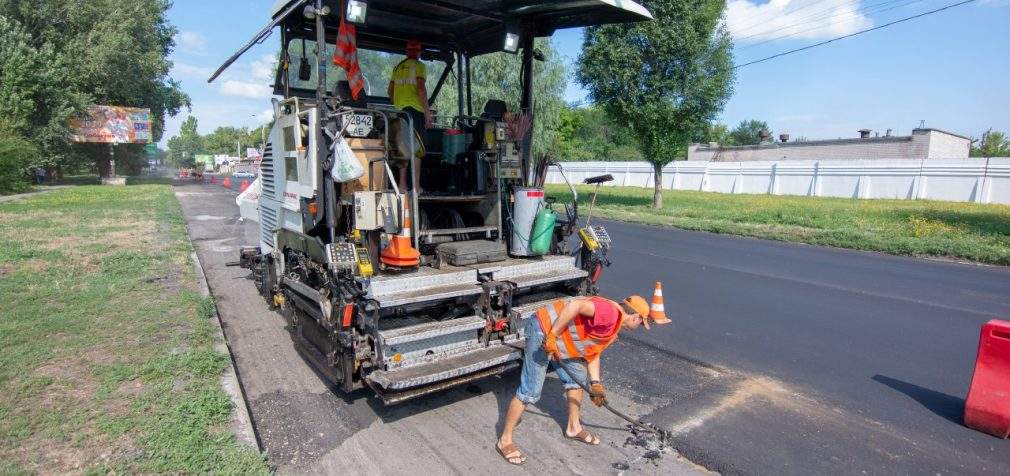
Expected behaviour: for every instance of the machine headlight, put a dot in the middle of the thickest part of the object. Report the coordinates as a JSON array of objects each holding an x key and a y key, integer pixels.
[{"x": 357, "y": 11}]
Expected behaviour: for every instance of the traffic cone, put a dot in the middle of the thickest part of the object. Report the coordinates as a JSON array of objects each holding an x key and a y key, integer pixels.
[
  {"x": 244, "y": 186},
  {"x": 213, "y": 179},
  {"x": 656, "y": 312},
  {"x": 226, "y": 183},
  {"x": 400, "y": 253}
]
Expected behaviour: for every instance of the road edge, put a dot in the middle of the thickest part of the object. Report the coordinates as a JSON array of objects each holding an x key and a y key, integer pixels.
[{"x": 242, "y": 425}]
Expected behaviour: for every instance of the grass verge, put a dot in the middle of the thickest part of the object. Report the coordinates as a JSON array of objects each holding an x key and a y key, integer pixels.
[
  {"x": 966, "y": 231},
  {"x": 106, "y": 347}
]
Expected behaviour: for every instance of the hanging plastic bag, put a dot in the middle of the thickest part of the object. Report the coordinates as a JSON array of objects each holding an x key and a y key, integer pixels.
[{"x": 345, "y": 164}]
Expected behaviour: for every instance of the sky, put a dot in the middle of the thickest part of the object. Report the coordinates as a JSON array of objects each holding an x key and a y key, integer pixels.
[{"x": 949, "y": 70}]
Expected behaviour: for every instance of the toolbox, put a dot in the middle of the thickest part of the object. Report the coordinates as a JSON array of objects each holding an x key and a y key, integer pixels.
[{"x": 465, "y": 253}]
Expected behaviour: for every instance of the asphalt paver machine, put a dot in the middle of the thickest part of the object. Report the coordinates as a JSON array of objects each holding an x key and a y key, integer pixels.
[{"x": 411, "y": 278}]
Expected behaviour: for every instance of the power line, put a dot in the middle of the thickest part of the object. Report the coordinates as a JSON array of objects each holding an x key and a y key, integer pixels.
[
  {"x": 797, "y": 19},
  {"x": 762, "y": 19},
  {"x": 850, "y": 35},
  {"x": 838, "y": 16},
  {"x": 811, "y": 18}
]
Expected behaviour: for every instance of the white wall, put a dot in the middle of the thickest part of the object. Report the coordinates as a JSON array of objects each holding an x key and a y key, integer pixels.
[{"x": 960, "y": 180}]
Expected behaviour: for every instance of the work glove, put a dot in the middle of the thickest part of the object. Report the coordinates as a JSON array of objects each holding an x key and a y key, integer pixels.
[
  {"x": 551, "y": 346},
  {"x": 598, "y": 394}
]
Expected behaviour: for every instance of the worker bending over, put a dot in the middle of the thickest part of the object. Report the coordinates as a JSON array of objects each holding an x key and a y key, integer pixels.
[{"x": 579, "y": 328}]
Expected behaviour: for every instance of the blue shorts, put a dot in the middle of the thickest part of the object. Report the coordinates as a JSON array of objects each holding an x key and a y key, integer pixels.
[{"x": 536, "y": 363}]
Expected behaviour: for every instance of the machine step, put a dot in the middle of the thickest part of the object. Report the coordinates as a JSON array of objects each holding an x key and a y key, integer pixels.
[
  {"x": 424, "y": 285},
  {"x": 445, "y": 369},
  {"x": 528, "y": 273},
  {"x": 430, "y": 330}
]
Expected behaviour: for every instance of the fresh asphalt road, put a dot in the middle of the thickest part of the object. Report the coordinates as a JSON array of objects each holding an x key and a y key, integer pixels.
[
  {"x": 836, "y": 361},
  {"x": 782, "y": 359}
]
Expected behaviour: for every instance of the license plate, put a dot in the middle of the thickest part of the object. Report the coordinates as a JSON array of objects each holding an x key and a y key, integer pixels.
[{"x": 360, "y": 125}]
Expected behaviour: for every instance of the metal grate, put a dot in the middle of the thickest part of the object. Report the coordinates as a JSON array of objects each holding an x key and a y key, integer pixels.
[
  {"x": 268, "y": 224},
  {"x": 267, "y": 171}
]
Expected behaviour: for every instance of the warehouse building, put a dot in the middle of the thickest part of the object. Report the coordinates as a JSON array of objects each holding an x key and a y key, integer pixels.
[{"x": 924, "y": 143}]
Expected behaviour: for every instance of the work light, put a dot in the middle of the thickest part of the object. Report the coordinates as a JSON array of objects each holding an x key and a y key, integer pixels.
[
  {"x": 356, "y": 12},
  {"x": 511, "y": 42}
]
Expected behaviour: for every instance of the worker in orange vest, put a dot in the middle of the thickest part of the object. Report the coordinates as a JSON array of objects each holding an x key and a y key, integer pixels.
[{"x": 579, "y": 328}]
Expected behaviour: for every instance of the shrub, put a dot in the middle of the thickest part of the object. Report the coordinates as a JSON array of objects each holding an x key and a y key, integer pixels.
[{"x": 16, "y": 156}]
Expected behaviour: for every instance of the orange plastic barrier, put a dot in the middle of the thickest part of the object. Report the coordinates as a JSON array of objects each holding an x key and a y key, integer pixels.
[
  {"x": 226, "y": 182},
  {"x": 987, "y": 408},
  {"x": 244, "y": 186}
]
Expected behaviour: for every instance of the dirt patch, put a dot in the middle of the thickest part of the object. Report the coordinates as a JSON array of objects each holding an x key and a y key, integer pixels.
[
  {"x": 131, "y": 388},
  {"x": 72, "y": 380},
  {"x": 68, "y": 457},
  {"x": 5, "y": 269}
]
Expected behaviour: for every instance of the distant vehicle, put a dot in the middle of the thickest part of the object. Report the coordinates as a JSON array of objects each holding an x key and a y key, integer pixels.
[{"x": 243, "y": 175}]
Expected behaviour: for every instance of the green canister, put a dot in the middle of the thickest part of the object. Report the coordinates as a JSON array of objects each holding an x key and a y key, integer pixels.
[{"x": 543, "y": 231}]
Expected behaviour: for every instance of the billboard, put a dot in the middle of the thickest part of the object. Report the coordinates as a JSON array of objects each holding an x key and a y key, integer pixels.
[{"x": 113, "y": 125}]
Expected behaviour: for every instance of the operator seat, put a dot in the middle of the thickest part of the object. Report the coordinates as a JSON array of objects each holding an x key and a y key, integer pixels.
[{"x": 494, "y": 109}]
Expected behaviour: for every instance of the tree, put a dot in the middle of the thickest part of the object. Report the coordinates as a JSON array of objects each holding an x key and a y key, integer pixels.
[
  {"x": 719, "y": 133},
  {"x": 667, "y": 79},
  {"x": 993, "y": 144},
  {"x": 112, "y": 52},
  {"x": 496, "y": 76},
  {"x": 587, "y": 134},
  {"x": 185, "y": 146},
  {"x": 748, "y": 132},
  {"x": 227, "y": 140},
  {"x": 33, "y": 102}
]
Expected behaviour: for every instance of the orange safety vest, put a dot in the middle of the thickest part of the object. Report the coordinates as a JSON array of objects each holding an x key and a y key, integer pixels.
[
  {"x": 575, "y": 342},
  {"x": 346, "y": 56}
]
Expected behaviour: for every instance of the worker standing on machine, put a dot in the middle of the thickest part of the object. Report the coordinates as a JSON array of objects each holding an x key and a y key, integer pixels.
[
  {"x": 579, "y": 328},
  {"x": 409, "y": 94}
]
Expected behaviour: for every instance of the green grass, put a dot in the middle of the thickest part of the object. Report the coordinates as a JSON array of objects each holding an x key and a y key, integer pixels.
[
  {"x": 965, "y": 231},
  {"x": 106, "y": 348}
]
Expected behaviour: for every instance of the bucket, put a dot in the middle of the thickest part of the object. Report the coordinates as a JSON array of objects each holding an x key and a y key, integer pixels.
[
  {"x": 453, "y": 144},
  {"x": 528, "y": 201}
]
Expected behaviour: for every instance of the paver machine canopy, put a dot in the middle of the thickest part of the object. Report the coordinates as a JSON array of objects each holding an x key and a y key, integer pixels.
[{"x": 413, "y": 274}]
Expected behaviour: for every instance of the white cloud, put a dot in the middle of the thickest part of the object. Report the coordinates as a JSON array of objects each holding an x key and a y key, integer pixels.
[
  {"x": 263, "y": 68},
  {"x": 265, "y": 116},
  {"x": 191, "y": 42},
  {"x": 186, "y": 70},
  {"x": 246, "y": 89},
  {"x": 750, "y": 22}
]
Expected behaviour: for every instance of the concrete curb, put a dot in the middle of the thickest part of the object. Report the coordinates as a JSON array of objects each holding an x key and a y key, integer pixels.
[{"x": 241, "y": 418}]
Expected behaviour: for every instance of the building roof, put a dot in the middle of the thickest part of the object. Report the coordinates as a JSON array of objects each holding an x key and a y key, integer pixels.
[
  {"x": 828, "y": 142},
  {"x": 941, "y": 131}
]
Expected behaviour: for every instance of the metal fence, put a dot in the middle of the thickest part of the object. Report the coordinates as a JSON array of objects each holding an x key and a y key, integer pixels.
[{"x": 961, "y": 180}]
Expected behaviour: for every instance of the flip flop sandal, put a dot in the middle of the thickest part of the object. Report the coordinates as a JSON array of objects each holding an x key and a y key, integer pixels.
[
  {"x": 511, "y": 449},
  {"x": 582, "y": 436}
]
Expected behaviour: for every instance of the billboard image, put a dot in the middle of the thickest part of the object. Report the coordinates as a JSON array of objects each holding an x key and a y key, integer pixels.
[{"x": 113, "y": 125}]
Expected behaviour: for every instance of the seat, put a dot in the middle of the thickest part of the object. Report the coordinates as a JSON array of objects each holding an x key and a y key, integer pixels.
[{"x": 494, "y": 109}]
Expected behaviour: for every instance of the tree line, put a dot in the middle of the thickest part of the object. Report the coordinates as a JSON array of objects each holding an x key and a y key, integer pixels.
[
  {"x": 184, "y": 147},
  {"x": 57, "y": 57}
]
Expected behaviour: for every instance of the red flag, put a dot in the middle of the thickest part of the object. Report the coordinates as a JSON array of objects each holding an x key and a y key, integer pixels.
[{"x": 346, "y": 56}]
